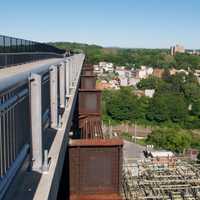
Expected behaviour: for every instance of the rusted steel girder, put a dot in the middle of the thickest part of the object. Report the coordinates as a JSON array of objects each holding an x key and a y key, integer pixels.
[
  {"x": 95, "y": 169},
  {"x": 95, "y": 163}
]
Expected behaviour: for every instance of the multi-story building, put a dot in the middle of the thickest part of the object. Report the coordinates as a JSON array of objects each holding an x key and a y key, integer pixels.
[
  {"x": 177, "y": 49},
  {"x": 106, "y": 66},
  {"x": 98, "y": 70}
]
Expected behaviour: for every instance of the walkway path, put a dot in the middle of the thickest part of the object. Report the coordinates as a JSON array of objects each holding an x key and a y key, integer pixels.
[{"x": 133, "y": 151}]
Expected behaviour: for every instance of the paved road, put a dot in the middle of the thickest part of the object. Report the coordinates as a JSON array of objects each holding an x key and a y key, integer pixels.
[{"x": 133, "y": 151}]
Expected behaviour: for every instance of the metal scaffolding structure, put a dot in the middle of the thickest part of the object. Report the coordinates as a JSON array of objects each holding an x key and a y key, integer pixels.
[{"x": 145, "y": 180}]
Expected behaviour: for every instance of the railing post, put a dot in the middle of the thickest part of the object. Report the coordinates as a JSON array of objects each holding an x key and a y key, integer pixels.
[
  {"x": 71, "y": 73},
  {"x": 77, "y": 57},
  {"x": 67, "y": 79},
  {"x": 36, "y": 121},
  {"x": 62, "y": 85},
  {"x": 54, "y": 96},
  {"x": 72, "y": 67}
]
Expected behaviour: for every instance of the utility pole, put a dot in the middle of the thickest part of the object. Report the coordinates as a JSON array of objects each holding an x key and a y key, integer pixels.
[{"x": 135, "y": 132}]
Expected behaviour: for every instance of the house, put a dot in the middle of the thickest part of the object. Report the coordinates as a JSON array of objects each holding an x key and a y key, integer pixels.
[
  {"x": 113, "y": 84},
  {"x": 98, "y": 70},
  {"x": 175, "y": 71},
  {"x": 133, "y": 81},
  {"x": 120, "y": 72},
  {"x": 149, "y": 93},
  {"x": 149, "y": 71},
  {"x": 158, "y": 72},
  {"x": 139, "y": 93},
  {"x": 106, "y": 66},
  {"x": 162, "y": 159},
  {"x": 192, "y": 154},
  {"x": 123, "y": 81},
  {"x": 143, "y": 72},
  {"x": 103, "y": 86}
]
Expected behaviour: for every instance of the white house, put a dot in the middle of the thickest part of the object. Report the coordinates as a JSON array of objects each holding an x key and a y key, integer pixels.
[
  {"x": 149, "y": 92},
  {"x": 123, "y": 81},
  {"x": 98, "y": 70},
  {"x": 161, "y": 153},
  {"x": 106, "y": 66},
  {"x": 149, "y": 71},
  {"x": 144, "y": 72},
  {"x": 121, "y": 72}
]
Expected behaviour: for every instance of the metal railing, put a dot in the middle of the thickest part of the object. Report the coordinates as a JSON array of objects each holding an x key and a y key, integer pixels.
[
  {"x": 16, "y": 51},
  {"x": 28, "y": 108},
  {"x": 14, "y": 125}
]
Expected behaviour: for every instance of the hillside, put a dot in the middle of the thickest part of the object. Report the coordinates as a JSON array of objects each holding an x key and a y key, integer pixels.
[{"x": 133, "y": 57}]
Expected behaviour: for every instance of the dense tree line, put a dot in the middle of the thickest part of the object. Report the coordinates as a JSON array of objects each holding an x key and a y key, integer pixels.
[
  {"x": 133, "y": 57},
  {"x": 176, "y": 140},
  {"x": 176, "y": 102}
]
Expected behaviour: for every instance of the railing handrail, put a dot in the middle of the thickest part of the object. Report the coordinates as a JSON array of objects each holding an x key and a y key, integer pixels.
[
  {"x": 27, "y": 53},
  {"x": 12, "y": 80}
]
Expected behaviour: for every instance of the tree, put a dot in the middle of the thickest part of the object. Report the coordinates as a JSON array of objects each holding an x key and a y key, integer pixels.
[
  {"x": 123, "y": 105},
  {"x": 168, "y": 106},
  {"x": 177, "y": 108},
  {"x": 177, "y": 81},
  {"x": 166, "y": 75},
  {"x": 191, "y": 92},
  {"x": 142, "y": 106},
  {"x": 175, "y": 140},
  {"x": 196, "y": 108},
  {"x": 151, "y": 82},
  {"x": 158, "y": 109}
]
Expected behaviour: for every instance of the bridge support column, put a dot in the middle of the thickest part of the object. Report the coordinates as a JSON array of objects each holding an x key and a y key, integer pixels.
[
  {"x": 62, "y": 84},
  {"x": 54, "y": 96},
  {"x": 36, "y": 121}
]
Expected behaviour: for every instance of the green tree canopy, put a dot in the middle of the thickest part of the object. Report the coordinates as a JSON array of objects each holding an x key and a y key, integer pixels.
[
  {"x": 176, "y": 140},
  {"x": 122, "y": 105},
  {"x": 151, "y": 82}
]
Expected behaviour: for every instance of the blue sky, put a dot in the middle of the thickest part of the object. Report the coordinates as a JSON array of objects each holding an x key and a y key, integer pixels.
[{"x": 122, "y": 23}]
